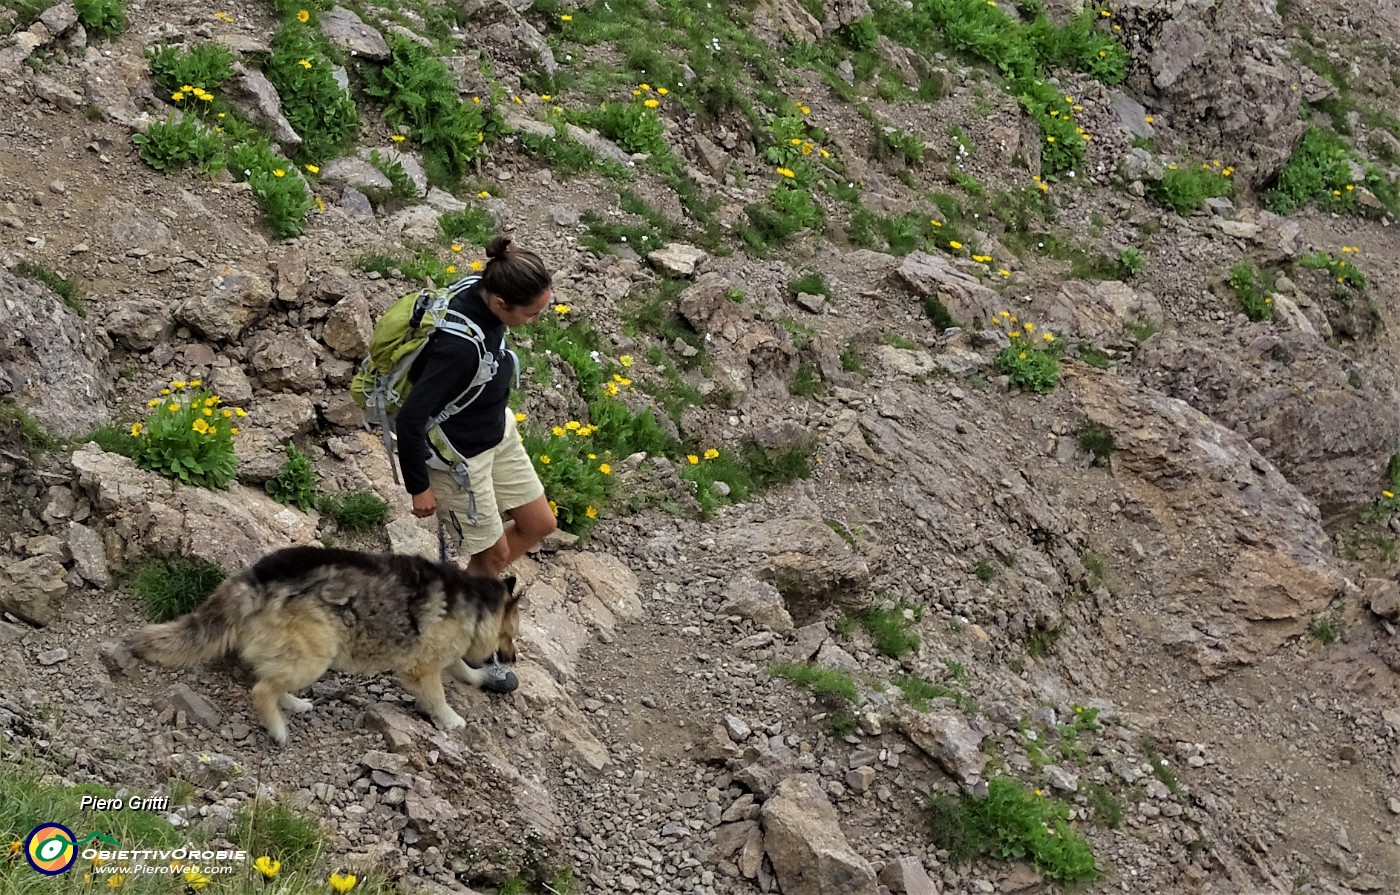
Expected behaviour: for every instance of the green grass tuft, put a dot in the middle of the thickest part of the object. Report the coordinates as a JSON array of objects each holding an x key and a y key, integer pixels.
[{"x": 169, "y": 588}]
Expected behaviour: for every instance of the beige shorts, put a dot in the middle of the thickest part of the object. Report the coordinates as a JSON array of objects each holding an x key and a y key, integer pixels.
[{"x": 502, "y": 479}]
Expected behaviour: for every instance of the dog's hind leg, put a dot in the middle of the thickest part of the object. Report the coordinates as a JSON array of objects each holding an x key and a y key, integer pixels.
[
  {"x": 426, "y": 687},
  {"x": 273, "y": 693}
]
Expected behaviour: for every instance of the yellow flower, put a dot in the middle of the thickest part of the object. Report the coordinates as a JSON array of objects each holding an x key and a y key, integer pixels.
[
  {"x": 1044, "y": 187},
  {"x": 591, "y": 513},
  {"x": 559, "y": 431},
  {"x": 1049, "y": 337},
  {"x": 824, "y": 153},
  {"x": 178, "y": 383},
  {"x": 593, "y": 456},
  {"x": 544, "y": 458},
  {"x": 573, "y": 425},
  {"x": 546, "y": 97},
  {"x": 1350, "y": 188},
  {"x": 173, "y": 407},
  {"x": 177, "y": 95},
  {"x": 662, "y": 90},
  {"x": 208, "y": 412},
  {"x": 786, "y": 172},
  {"x": 153, "y": 402},
  {"x": 1388, "y": 495},
  {"x": 1050, "y": 139},
  {"x": 935, "y": 223},
  {"x": 636, "y": 93},
  {"x": 622, "y": 380},
  {"x": 15, "y": 846},
  {"x": 240, "y": 411},
  {"x": 233, "y": 431},
  {"x": 1013, "y": 335},
  {"x": 954, "y": 244},
  {"x": 610, "y": 389},
  {"x": 398, "y": 138},
  {"x": 224, "y": 17},
  {"x": 562, "y": 309},
  {"x": 566, "y": 18},
  {"x": 625, "y": 360},
  {"x": 554, "y": 508},
  {"x": 1030, "y": 327},
  {"x": 805, "y": 110},
  {"x": 227, "y": 413},
  {"x": 209, "y": 401},
  {"x": 451, "y": 268},
  {"x": 303, "y": 16},
  {"x": 165, "y": 391},
  {"x": 200, "y": 426},
  {"x": 1005, "y": 314},
  {"x": 304, "y": 63},
  {"x": 341, "y": 882},
  {"x": 605, "y": 469},
  {"x": 692, "y": 459},
  {"x": 278, "y": 172},
  {"x": 195, "y": 880},
  {"x": 1149, "y": 119},
  {"x": 644, "y": 86},
  {"x": 1004, "y": 272},
  {"x": 313, "y": 169},
  {"x": 519, "y": 417},
  {"x": 518, "y": 101},
  {"x": 477, "y": 265},
  {"x": 795, "y": 141},
  {"x": 1039, "y": 794},
  {"x": 115, "y": 880},
  {"x": 135, "y": 429},
  {"x": 652, "y": 103},
  {"x": 711, "y": 453},
  {"x": 1022, "y": 355}
]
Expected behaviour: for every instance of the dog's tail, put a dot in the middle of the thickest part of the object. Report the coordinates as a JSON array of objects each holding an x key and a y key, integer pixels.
[{"x": 206, "y": 633}]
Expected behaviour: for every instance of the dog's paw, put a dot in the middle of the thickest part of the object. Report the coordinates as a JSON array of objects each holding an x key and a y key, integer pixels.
[
  {"x": 463, "y": 672},
  {"x": 450, "y": 721},
  {"x": 278, "y": 732},
  {"x": 294, "y": 704}
]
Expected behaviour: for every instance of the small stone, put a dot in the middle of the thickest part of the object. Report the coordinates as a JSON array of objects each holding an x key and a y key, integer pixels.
[
  {"x": 52, "y": 656},
  {"x": 737, "y": 728}
]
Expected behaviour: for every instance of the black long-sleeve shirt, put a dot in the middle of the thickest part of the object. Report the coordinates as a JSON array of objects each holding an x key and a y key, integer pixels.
[{"x": 443, "y": 372}]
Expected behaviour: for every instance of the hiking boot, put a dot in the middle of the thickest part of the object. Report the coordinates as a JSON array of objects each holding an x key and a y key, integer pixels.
[{"x": 495, "y": 677}]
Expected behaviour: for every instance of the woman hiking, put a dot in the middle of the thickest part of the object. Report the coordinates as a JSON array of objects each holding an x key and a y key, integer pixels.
[{"x": 472, "y": 469}]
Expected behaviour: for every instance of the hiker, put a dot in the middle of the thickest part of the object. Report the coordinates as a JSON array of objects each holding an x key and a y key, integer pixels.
[{"x": 482, "y": 471}]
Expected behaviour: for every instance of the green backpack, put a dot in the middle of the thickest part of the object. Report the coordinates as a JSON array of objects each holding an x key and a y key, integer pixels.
[{"x": 380, "y": 385}]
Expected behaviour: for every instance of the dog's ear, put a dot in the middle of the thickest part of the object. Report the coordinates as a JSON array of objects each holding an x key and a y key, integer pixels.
[{"x": 509, "y": 582}]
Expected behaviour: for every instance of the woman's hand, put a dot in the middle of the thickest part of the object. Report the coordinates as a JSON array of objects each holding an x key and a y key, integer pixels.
[{"x": 424, "y": 504}]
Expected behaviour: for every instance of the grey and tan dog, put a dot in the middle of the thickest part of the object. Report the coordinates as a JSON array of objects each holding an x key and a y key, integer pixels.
[{"x": 300, "y": 611}]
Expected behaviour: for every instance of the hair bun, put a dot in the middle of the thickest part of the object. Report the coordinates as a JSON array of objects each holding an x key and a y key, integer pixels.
[{"x": 498, "y": 247}]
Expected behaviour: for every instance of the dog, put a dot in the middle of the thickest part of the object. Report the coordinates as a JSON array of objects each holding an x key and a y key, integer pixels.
[{"x": 303, "y": 610}]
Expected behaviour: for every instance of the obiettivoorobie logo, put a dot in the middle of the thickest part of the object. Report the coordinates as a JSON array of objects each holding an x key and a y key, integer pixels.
[{"x": 51, "y": 848}]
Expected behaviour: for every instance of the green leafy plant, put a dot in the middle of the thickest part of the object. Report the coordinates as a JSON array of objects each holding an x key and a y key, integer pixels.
[
  {"x": 418, "y": 268},
  {"x": 1345, "y": 273},
  {"x": 393, "y": 169},
  {"x": 899, "y": 144},
  {"x": 205, "y": 65},
  {"x": 295, "y": 485},
  {"x": 1013, "y": 822},
  {"x": 174, "y": 144},
  {"x": 317, "y": 107},
  {"x": 891, "y": 628},
  {"x": 421, "y": 97},
  {"x": 1097, "y": 439},
  {"x": 1130, "y": 259},
  {"x": 1184, "y": 189},
  {"x": 188, "y": 436},
  {"x": 356, "y": 512},
  {"x": 1325, "y": 629},
  {"x": 831, "y": 684},
  {"x": 1032, "y": 360},
  {"x": 634, "y": 126},
  {"x": 276, "y": 185},
  {"x": 106, "y": 18},
  {"x": 171, "y": 587},
  {"x": 472, "y": 224},
  {"x": 810, "y": 283},
  {"x": 789, "y": 209},
  {"x": 1160, "y": 768},
  {"x": 1321, "y": 172},
  {"x": 1254, "y": 291}
]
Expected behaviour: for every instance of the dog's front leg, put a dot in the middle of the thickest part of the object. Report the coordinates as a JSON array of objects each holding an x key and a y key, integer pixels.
[{"x": 426, "y": 687}]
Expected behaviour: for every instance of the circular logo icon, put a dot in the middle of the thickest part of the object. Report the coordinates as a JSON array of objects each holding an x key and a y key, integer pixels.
[{"x": 49, "y": 849}]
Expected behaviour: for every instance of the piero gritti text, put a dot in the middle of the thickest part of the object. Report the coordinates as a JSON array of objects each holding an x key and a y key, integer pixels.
[{"x": 135, "y": 803}]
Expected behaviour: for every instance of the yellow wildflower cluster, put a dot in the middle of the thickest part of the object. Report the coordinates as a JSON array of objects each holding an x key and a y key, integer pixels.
[
  {"x": 709, "y": 454},
  {"x": 1023, "y": 333},
  {"x": 1350, "y": 250},
  {"x": 224, "y": 17},
  {"x": 617, "y": 384},
  {"x": 198, "y": 93},
  {"x": 205, "y": 413},
  {"x": 573, "y": 427},
  {"x": 1214, "y": 165}
]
